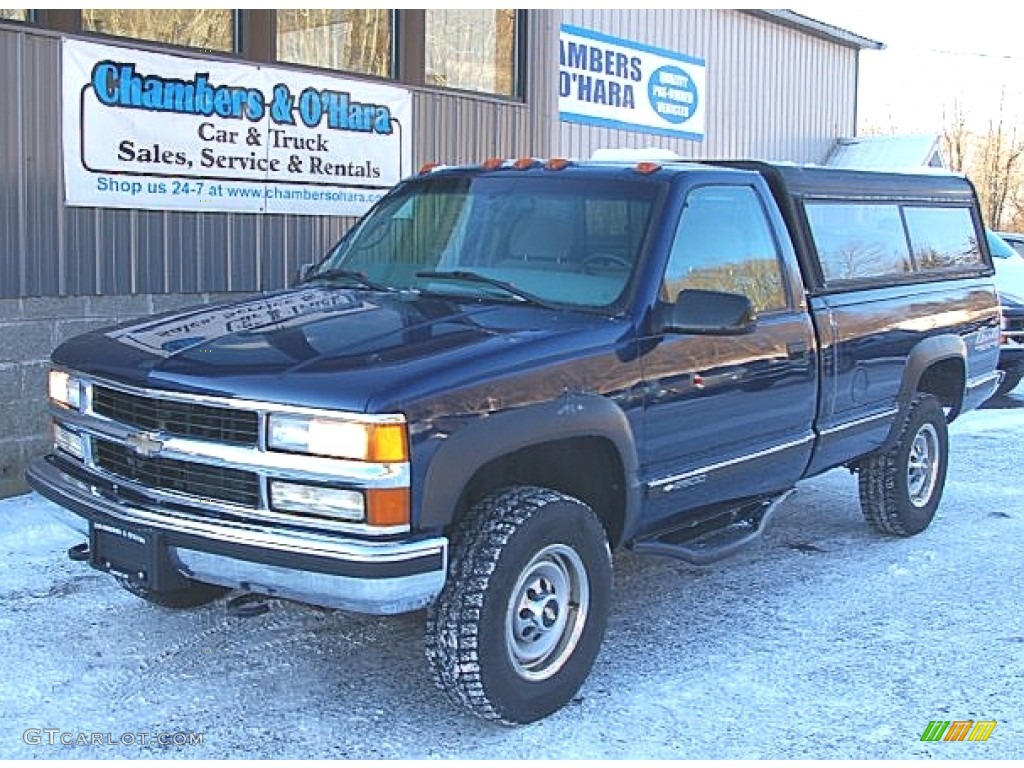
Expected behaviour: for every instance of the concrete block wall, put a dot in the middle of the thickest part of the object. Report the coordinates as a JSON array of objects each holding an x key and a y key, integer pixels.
[{"x": 29, "y": 331}]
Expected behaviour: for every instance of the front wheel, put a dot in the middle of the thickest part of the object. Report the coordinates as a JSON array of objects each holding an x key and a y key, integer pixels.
[
  {"x": 520, "y": 621},
  {"x": 901, "y": 488}
]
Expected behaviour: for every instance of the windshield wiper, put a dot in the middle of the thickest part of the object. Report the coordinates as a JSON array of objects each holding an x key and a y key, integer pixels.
[
  {"x": 474, "y": 277},
  {"x": 350, "y": 274}
]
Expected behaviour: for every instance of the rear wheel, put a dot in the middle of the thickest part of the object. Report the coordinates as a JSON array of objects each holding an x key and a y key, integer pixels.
[
  {"x": 900, "y": 489},
  {"x": 517, "y": 628}
]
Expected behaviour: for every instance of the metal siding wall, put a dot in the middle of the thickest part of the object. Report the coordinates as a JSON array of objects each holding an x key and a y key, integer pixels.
[
  {"x": 453, "y": 128},
  {"x": 47, "y": 249},
  {"x": 41, "y": 158},
  {"x": 773, "y": 92},
  {"x": 12, "y": 168}
]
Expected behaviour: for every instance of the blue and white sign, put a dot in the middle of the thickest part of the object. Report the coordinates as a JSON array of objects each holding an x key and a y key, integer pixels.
[{"x": 616, "y": 83}]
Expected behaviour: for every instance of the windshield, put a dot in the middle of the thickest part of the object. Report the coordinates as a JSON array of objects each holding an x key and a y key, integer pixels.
[{"x": 543, "y": 239}]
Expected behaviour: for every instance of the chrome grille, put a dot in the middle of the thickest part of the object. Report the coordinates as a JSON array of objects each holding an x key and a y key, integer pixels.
[
  {"x": 234, "y": 486},
  {"x": 180, "y": 419}
]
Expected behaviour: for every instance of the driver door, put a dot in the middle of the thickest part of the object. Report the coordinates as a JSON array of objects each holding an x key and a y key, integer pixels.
[{"x": 727, "y": 416}]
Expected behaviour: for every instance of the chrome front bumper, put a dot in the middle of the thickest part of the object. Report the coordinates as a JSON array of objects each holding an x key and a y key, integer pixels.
[{"x": 329, "y": 570}]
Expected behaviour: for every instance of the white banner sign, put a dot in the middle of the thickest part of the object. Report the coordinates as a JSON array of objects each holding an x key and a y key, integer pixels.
[
  {"x": 616, "y": 83},
  {"x": 152, "y": 130}
]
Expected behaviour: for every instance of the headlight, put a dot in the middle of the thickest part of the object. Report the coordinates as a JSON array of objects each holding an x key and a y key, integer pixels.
[
  {"x": 342, "y": 439},
  {"x": 65, "y": 389}
]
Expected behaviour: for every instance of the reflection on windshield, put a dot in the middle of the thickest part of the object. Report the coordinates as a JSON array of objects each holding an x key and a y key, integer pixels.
[{"x": 567, "y": 241}]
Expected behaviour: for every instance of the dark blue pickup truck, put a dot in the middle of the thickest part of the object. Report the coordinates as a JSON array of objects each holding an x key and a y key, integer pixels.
[{"x": 505, "y": 372}]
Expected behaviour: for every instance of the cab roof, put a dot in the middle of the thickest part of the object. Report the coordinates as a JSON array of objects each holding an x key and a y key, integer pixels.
[{"x": 785, "y": 179}]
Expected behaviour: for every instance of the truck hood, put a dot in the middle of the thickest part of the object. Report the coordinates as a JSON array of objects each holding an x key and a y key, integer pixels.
[{"x": 330, "y": 348}]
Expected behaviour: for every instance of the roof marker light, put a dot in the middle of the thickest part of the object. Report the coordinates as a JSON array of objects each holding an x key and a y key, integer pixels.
[
  {"x": 556, "y": 163},
  {"x": 523, "y": 163},
  {"x": 493, "y": 163},
  {"x": 428, "y": 167},
  {"x": 646, "y": 168}
]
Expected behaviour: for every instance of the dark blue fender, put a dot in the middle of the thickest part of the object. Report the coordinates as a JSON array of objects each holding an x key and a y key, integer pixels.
[{"x": 492, "y": 437}]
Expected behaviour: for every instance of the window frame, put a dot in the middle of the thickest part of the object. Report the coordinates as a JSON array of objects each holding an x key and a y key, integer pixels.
[
  {"x": 254, "y": 34},
  {"x": 30, "y": 17},
  {"x": 519, "y": 59},
  {"x": 954, "y": 269},
  {"x": 916, "y": 274},
  {"x": 770, "y": 224},
  {"x": 878, "y": 276},
  {"x": 393, "y": 51},
  {"x": 237, "y": 29}
]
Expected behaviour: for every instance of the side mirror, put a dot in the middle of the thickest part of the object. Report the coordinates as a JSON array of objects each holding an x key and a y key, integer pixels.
[
  {"x": 303, "y": 273},
  {"x": 713, "y": 313}
]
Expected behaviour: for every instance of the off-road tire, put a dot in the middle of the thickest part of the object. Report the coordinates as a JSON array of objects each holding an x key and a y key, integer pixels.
[
  {"x": 1009, "y": 383},
  {"x": 194, "y": 595},
  {"x": 887, "y": 488},
  {"x": 478, "y": 633}
]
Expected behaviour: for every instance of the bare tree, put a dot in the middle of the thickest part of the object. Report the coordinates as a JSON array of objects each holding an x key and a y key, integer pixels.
[
  {"x": 993, "y": 160},
  {"x": 955, "y": 137},
  {"x": 1000, "y": 160}
]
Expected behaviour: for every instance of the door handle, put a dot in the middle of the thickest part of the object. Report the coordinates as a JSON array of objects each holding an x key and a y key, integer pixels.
[{"x": 796, "y": 349}]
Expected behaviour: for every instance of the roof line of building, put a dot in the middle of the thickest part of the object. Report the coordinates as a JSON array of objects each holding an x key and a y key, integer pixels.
[{"x": 815, "y": 27}]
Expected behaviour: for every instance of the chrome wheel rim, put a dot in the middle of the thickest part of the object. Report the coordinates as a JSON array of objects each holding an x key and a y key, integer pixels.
[
  {"x": 923, "y": 465},
  {"x": 547, "y": 612}
]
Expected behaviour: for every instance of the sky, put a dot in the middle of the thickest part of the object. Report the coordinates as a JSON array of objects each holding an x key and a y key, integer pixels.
[{"x": 937, "y": 58}]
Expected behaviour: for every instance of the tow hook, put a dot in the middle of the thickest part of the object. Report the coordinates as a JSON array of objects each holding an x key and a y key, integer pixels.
[
  {"x": 79, "y": 553},
  {"x": 247, "y": 606}
]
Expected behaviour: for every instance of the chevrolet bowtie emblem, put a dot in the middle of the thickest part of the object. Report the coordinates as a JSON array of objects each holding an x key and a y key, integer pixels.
[{"x": 144, "y": 444}]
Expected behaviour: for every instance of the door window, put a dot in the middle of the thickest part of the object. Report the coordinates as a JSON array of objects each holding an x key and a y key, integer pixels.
[{"x": 724, "y": 242}]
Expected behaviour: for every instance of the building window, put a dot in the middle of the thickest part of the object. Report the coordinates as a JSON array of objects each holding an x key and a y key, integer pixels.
[
  {"x": 345, "y": 39},
  {"x": 206, "y": 28},
  {"x": 474, "y": 50},
  {"x": 7, "y": 14}
]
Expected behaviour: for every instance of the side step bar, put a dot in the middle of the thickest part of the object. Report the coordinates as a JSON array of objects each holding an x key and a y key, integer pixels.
[{"x": 717, "y": 544}]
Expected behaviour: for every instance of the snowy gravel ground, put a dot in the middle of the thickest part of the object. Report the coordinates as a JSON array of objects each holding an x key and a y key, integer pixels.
[{"x": 823, "y": 640}]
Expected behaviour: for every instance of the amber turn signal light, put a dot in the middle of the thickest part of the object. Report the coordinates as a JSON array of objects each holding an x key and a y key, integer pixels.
[
  {"x": 646, "y": 168},
  {"x": 387, "y": 507}
]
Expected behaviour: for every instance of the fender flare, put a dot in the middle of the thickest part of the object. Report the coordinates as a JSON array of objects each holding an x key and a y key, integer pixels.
[
  {"x": 925, "y": 354},
  {"x": 490, "y": 437}
]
